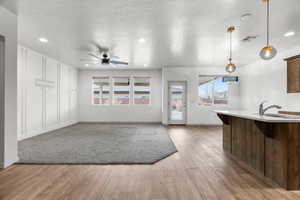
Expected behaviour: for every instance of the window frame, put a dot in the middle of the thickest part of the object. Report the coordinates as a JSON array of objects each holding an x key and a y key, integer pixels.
[
  {"x": 213, "y": 92},
  {"x": 133, "y": 90},
  {"x": 110, "y": 91},
  {"x": 113, "y": 90}
]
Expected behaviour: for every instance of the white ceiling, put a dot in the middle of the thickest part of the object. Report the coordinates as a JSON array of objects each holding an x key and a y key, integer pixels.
[{"x": 177, "y": 32}]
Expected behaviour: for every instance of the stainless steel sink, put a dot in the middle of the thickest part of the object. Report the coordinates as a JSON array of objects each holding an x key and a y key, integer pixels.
[{"x": 281, "y": 116}]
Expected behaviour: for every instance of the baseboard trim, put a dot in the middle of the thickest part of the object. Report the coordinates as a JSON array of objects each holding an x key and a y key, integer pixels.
[
  {"x": 203, "y": 125},
  {"x": 91, "y": 122},
  {"x": 8, "y": 163},
  {"x": 58, "y": 127},
  {"x": 194, "y": 125}
]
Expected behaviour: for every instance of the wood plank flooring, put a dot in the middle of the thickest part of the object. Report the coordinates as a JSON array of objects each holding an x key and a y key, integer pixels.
[{"x": 200, "y": 170}]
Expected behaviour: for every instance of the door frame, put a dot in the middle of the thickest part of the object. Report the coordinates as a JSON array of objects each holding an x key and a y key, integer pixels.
[
  {"x": 2, "y": 98},
  {"x": 183, "y": 122}
]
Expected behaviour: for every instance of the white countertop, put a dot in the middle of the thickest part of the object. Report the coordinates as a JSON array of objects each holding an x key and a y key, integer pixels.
[{"x": 257, "y": 117}]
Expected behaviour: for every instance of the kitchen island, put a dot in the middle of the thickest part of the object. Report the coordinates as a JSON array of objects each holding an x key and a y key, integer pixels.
[{"x": 266, "y": 145}]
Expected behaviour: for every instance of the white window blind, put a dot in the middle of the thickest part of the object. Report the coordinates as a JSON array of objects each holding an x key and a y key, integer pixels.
[
  {"x": 121, "y": 90},
  {"x": 142, "y": 90},
  {"x": 101, "y": 90}
]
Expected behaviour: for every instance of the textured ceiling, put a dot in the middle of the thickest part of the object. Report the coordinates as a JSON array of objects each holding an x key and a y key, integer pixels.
[{"x": 176, "y": 32}]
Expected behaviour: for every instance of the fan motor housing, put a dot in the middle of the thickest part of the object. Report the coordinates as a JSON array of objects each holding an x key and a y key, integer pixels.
[{"x": 105, "y": 59}]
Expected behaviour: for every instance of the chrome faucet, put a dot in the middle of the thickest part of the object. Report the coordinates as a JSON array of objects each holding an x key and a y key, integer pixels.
[{"x": 262, "y": 110}]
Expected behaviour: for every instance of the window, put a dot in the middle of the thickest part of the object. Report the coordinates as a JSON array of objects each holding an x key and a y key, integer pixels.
[
  {"x": 101, "y": 91},
  {"x": 121, "y": 90},
  {"x": 213, "y": 90},
  {"x": 142, "y": 90},
  {"x": 220, "y": 91}
]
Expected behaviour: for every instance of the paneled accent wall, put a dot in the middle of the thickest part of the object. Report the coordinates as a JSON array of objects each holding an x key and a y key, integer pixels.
[{"x": 47, "y": 94}]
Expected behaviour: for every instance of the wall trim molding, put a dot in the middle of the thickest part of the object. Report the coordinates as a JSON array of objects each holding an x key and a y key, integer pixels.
[
  {"x": 203, "y": 125},
  {"x": 53, "y": 82}
]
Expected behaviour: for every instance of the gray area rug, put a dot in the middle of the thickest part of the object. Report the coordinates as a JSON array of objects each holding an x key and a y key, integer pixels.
[{"x": 99, "y": 144}]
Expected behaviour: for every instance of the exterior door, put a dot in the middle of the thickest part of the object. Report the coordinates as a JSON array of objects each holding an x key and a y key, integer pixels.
[{"x": 177, "y": 102}]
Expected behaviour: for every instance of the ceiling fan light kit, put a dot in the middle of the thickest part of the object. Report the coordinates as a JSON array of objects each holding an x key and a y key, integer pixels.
[{"x": 268, "y": 52}]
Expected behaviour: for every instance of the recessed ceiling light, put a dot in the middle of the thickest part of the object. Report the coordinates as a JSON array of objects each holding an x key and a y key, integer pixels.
[
  {"x": 43, "y": 40},
  {"x": 289, "y": 34},
  {"x": 145, "y": 65},
  {"x": 142, "y": 40},
  {"x": 87, "y": 65}
]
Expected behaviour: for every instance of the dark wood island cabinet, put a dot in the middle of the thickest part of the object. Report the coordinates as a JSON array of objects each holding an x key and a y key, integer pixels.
[{"x": 267, "y": 146}]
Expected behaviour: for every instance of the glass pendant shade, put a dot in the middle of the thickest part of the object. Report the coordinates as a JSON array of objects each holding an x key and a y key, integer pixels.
[
  {"x": 230, "y": 68},
  {"x": 268, "y": 53}
]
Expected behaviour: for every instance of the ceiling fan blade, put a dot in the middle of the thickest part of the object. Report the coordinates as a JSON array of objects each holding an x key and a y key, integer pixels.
[
  {"x": 93, "y": 55},
  {"x": 115, "y": 57},
  {"x": 100, "y": 48},
  {"x": 118, "y": 62},
  {"x": 88, "y": 60}
]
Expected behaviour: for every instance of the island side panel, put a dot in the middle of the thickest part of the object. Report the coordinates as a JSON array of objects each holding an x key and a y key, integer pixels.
[
  {"x": 227, "y": 136},
  {"x": 248, "y": 143},
  {"x": 227, "y": 141},
  {"x": 283, "y": 155},
  {"x": 239, "y": 135},
  {"x": 293, "y": 157},
  {"x": 255, "y": 147},
  {"x": 276, "y": 155}
]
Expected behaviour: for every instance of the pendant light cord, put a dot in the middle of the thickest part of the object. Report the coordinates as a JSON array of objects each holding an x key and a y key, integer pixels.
[
  {"x": 230, "y": 58},
  {"x": 268, "y": 22}
]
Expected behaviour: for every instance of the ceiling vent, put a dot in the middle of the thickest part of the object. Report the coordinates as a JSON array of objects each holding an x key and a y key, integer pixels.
[{"x": 249, "y": 38}]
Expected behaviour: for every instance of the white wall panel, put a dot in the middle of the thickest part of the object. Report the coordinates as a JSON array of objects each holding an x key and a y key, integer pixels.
[
  {"x": 64, "y": 93},
  {"x": 47, "y": 94},
  {"x": 21, "y": 67},
  {"x": 73, "y": 96},
  {"x": 51, "y": 100},
  {"x": 34, "y": 96}
]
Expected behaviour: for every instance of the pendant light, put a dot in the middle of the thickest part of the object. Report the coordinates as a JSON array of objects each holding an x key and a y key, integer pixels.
[
  {"x": 230, "y": 68},
  {"x": 268, "y": 52}
]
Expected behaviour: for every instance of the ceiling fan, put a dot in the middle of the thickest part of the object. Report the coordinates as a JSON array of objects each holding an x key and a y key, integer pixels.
[{"x": 104, "y": 56}]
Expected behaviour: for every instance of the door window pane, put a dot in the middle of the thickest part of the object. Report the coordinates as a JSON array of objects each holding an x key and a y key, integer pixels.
[
  {"x": 177, "y": 102},
  {"x": 121, "y": 90}
]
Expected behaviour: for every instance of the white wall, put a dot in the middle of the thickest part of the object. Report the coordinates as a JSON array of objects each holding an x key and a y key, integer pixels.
[
  {"x": 119, "y": 113},
  {"x": 267, "y": 80},
  {"x": 47, "y": 94},
  {"x": 196, "y": 114},
  {"x": 8, "y": 134}
]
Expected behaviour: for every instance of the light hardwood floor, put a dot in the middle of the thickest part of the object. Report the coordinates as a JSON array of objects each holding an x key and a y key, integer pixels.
[{"x": 200, "y": 170}]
